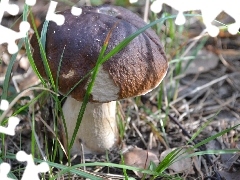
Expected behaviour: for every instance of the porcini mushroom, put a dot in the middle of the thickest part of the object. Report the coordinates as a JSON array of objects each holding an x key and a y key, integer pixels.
[{"x": 135, "y": 70}]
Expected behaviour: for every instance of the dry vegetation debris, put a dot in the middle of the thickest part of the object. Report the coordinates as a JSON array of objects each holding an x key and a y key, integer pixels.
[{"x": 208, "y": 88}]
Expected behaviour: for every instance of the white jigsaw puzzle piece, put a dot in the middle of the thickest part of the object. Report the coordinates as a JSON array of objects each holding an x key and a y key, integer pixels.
[
  {"x": 76, "y": 11},
  {"x": 31, "y": 169},
  {"x": 9, "y": 36},
  {"x": 4, "y": 105},
  {"x": 52, "y": 16},
  {"x": 30, "y": 2},
  {"x": 12, "y": 9},
  {"x": 4, "y": 170},
  {"x": 209, "y": 9},
  {"x": 10, "y": 129}
]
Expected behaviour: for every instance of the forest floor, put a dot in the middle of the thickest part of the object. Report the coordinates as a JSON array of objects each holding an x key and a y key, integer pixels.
[{"x": 207, "y": 91}]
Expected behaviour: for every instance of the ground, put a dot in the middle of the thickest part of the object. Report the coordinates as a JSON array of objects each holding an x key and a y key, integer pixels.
[{"x": 204, "y": 90}]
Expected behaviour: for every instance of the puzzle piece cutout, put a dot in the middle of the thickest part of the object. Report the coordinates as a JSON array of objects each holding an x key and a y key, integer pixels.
[
  {"x": 31, "y": 169},
  {"x": 10, "y": 129},
  {"x": 7, "y": 35},
  {"x": 58, "y": 18},
  {"x": 133, "y": 1},
  {"x": 12, "y": 9},
  {"x": 4, "y": 105},
  {"x": 30, "y": 2},
  {"x": 209, "y": 9},
  {"x": 76, "y": 11},
  {"x": 52, "y": 16},
  {"x": 4, "y": 170}
]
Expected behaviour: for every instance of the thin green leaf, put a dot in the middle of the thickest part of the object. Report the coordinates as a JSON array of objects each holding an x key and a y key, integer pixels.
[
  {"x": 222, "y": 151},
  {"x": 89, "y": 89},
  {"x": 203, "y": 127},
  {"x": 214, "y": 136},
  {"x": 42, "y": 42},
  {"x": 9, "y": 71}
]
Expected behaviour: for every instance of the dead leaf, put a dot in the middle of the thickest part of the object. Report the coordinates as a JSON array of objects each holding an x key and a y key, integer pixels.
[
  {"x": 229, "y": 175},
  {"x": 140, "y": 158},
  {"x": 180, "y": 165},
  {"x": 203, "y": 62},
  {"x": 228, "y": 160}
]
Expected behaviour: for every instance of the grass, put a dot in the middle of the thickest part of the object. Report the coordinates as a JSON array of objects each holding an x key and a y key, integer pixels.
[{"x": 162, "y": 94}]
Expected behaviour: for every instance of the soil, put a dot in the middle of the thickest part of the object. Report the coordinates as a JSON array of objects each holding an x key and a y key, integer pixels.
[{"x": 208, "y": 92}]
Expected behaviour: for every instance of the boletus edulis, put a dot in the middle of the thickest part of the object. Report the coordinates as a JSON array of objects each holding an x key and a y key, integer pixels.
[{"x": 135, "y": 70}]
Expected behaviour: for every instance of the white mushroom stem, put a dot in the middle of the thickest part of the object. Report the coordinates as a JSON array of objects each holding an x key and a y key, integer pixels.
[{"x": 98, "y": 131}]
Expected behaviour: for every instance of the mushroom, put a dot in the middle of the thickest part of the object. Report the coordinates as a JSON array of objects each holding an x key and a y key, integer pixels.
[{"x": 135, "y": 70}]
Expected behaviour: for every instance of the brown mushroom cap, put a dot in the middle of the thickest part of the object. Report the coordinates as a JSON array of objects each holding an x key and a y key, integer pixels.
[{"x": 135, "y": 70}]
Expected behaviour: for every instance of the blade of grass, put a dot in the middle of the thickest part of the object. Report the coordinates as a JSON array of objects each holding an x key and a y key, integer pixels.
[
  {"x": 209, "y": 152},
  {"x": 214, "y": 136},
  {"x": 9, "y": 71},
  {"x": 28, "y": 48},
  {"x": 59, "y": 68},
  {"x": 124, "y": 170},
  {"x": 222, "y": 151},
  {"x": 90, "y": 85},
  {"x": 168, "y": 160},
  {"x": 128, "y": 39},
  {"x": 12, "y": 60},
  {"x": 3, "y": 115},
  {"x": 28, "y": 104},
  {"x": 66, "y": 169},
  {"x": 203, "y": 127},
  {"x": 42, "y": 41},
  {"x": 42, "y": 44}
]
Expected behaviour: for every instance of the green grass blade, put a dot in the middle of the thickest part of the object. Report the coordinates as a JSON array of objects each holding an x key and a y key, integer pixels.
[
  {"x": 203, "y": 127},
  {"x": 9, "y": 71},
  {"x": 168, "y": 160},
  {"x": 128, "y": 39},
  {"x": 222, "y": 151},
  {"x": 89, "y": 89},
  {"x": 42, "y": 42},
  {"x": 214, "y": 136},
  {"x": 44, "y": 36},
  {"x": 28, "y": 104},
  {"x": 59, "y": 68},
  {"x": 29, "y": 53}
]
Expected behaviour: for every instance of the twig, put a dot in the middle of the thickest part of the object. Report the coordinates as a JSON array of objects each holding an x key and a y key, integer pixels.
[
  {"x": 38, "y": 143},
  {"x": 22, "y": 94},
  {"x": 53, "y": 133},
  {"x": 194, "y": 42},
  {"x": 146, "y": 10},
  {"x": 197, "y": 89},
  {"x": 140, "y": 134}
]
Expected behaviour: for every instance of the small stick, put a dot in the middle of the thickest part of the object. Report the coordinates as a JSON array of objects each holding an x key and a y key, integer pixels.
[
  {"x": 146, "y": 11},
  {"x": 197, "y": 89}
]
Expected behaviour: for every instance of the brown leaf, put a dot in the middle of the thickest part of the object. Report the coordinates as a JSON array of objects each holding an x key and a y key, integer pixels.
[
  {"x": 228, "y": 160},
  {"x": 180, "y": 165},
  {"x": 140, "y": 158},
  {"x": 230, "y": 176},
  {"x": 203, "y": 62}
]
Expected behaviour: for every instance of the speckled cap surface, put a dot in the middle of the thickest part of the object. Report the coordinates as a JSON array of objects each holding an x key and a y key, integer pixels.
[{"x": 135, "y": 70}]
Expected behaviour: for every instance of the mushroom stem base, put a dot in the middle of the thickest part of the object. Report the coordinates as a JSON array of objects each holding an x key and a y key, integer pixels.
[{"x": 98, "y": 131}]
